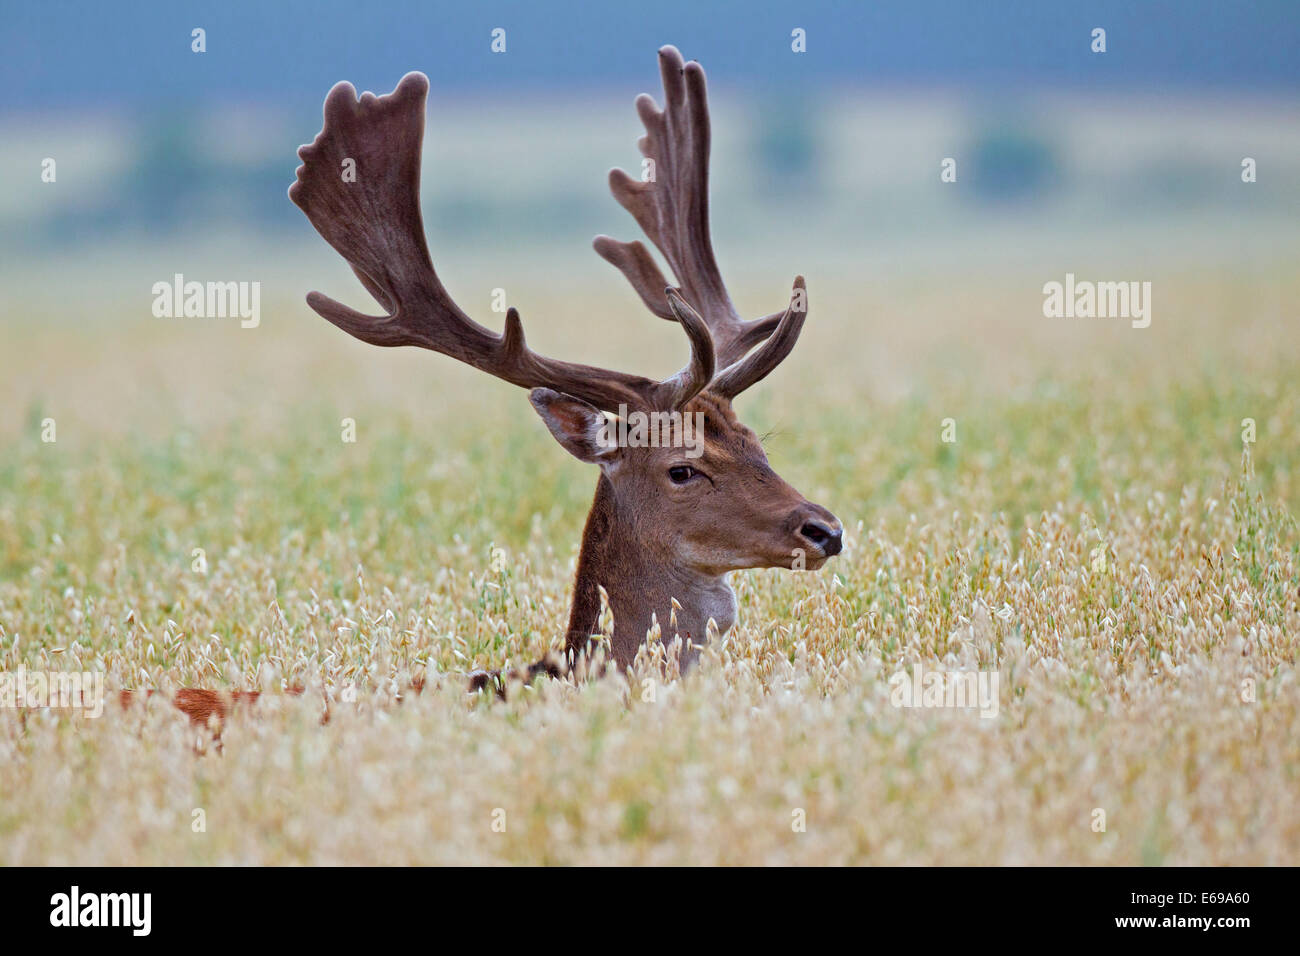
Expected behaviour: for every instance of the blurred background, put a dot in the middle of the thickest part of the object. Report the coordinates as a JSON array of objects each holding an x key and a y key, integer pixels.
[{"x": 834, "y": 152}]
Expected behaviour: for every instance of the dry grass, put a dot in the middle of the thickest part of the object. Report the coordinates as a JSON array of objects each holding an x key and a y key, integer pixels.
[{"x": 1095, "y": 536}]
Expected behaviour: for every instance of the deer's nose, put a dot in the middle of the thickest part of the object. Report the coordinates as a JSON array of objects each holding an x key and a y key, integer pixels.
[{"x": 827, "y": 536}]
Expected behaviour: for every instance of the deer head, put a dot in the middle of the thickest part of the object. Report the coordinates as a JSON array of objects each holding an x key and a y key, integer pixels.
[{"x": 672, "y": 515}]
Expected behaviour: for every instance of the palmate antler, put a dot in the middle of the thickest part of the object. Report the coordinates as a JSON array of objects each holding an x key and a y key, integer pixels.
[
  {"x": 672, "y": 209},
  {"x": 373, "y": 220}
]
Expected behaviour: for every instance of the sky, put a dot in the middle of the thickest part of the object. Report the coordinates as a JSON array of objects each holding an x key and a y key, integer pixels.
[{"x": 60, "y": 55}]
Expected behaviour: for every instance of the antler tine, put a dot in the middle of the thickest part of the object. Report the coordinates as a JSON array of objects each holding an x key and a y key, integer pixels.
[
  {"x": 696, "y": 377},
  {"x": 737, "y": 377},
  {"x": 372, "y": 218},
  {"x": 672, "y": 209}
]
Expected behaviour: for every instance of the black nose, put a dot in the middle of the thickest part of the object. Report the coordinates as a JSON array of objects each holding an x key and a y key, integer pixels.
[{"x": 830, "y": 541}]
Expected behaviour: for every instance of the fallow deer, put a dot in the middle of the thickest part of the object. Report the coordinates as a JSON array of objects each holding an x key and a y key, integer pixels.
[{"x": 663, "y": 527}]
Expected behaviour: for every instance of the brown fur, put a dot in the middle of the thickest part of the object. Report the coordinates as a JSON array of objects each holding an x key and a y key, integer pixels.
[
  {"x": 659, "y": 546},
  {"x": 649, "y": 543}
]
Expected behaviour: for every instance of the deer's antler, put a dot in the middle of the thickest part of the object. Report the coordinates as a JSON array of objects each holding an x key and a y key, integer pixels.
[
  {"x": 372, "y": 219},
  {"x": 672, "y": 209}
]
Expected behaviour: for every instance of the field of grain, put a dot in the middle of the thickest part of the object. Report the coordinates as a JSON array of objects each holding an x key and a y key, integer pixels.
[{"x": 1098, "y": 535}]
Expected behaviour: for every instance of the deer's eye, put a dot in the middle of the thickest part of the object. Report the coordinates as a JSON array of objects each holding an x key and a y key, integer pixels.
[{"x": 680, "y": 474}]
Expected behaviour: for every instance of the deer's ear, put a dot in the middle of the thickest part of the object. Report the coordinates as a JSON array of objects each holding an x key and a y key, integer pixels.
[{"x": 582, "y": 429}]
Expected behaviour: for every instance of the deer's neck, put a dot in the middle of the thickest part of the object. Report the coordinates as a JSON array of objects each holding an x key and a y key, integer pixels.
[{"x": 641, "y": 585}]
